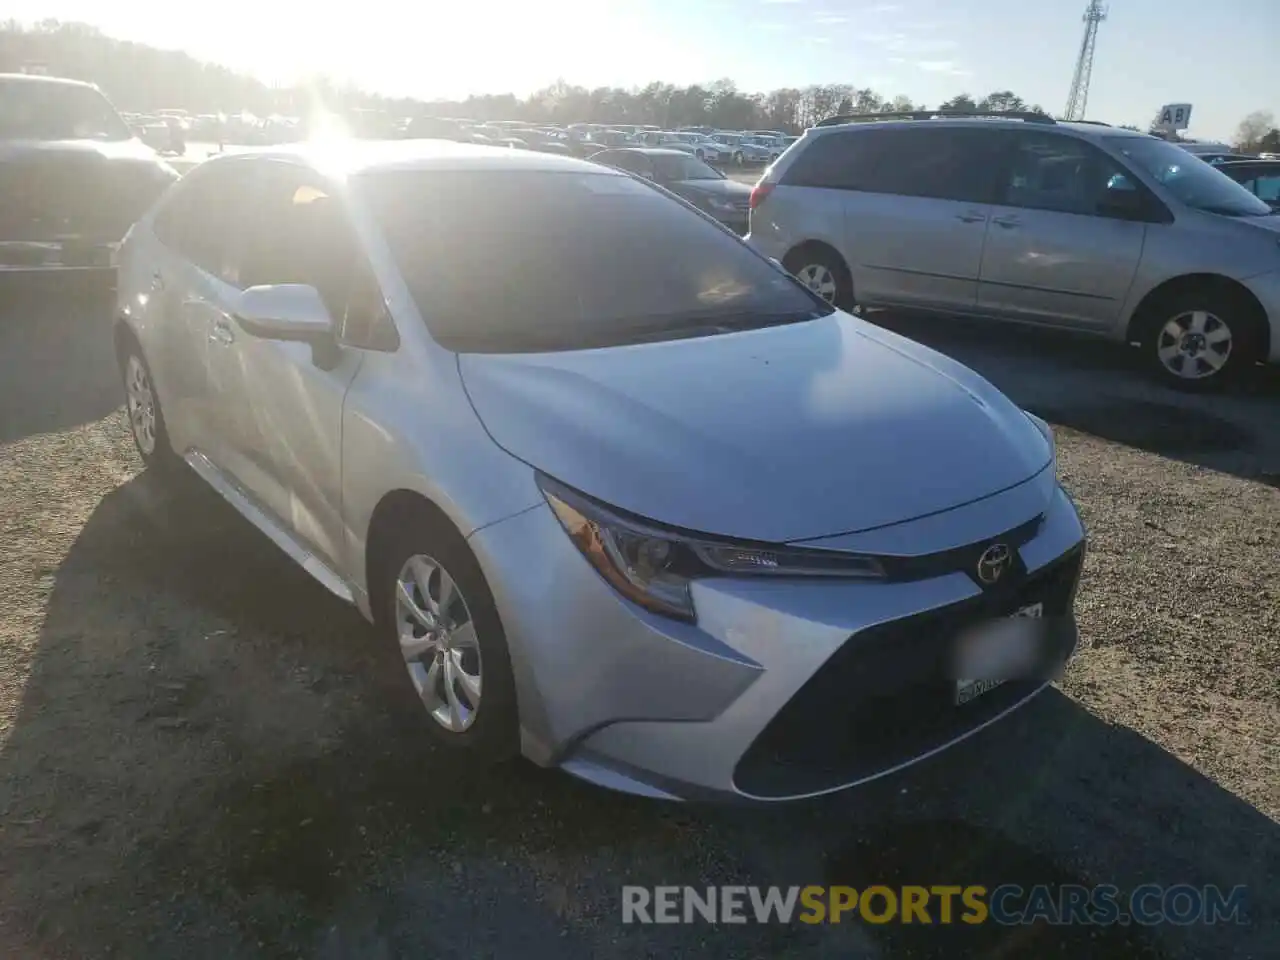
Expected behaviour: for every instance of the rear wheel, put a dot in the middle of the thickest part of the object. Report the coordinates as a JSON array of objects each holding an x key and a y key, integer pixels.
[
  {"x": 737, "y": 159},
  {"x": 1200, "y": 340},
  {"x": 824, "y": 272}
]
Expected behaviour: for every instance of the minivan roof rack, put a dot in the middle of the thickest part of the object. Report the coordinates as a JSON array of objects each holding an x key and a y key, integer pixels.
[
  {"x": 1093, "y": 123},
  {"x": 1025, "y": 115}
]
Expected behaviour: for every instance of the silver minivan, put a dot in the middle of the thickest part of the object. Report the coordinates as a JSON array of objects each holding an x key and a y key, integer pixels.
[{"x": 1079, "y": 226}]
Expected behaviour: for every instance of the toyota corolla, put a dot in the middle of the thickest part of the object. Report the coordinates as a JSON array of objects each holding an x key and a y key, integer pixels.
[{"x": 620, "y": 493}]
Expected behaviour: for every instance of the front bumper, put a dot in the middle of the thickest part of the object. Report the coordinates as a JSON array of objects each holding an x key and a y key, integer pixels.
[
  {"x": 1266, "y": 287},
  {"x": 783, "y": 689}
]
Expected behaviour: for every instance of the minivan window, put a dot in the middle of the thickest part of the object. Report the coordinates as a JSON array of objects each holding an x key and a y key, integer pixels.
[
  {"x": 1190, "y": 179},
  {"x": 512, "y": 261},
  {"x": 943, "y": 162},
  {"x": 1052, "y": 172}
]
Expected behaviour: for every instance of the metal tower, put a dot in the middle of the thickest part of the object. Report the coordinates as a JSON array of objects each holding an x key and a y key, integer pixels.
[{"x": 1094, "y": 14}]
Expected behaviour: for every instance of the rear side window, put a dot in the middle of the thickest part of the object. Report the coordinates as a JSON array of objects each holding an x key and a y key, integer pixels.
[
  {"x": 947, "y": 163},
  {"x": 196, "y": 220},
  {"x": 510, "y": 261}
]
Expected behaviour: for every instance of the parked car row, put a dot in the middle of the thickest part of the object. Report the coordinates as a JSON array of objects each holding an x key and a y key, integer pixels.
[{"x": 722, "y": 148}]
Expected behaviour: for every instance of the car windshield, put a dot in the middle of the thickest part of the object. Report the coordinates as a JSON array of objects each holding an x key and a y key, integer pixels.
[
  {"x": 518, "y": 261},
  {"x": 41, "y": 110},
  {"x": 1191, "y": 180},
  {"x": 684, "y": 167}
]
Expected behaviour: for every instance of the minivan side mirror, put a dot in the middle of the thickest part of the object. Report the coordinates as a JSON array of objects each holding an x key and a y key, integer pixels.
[{"x": 284, "y": 311}]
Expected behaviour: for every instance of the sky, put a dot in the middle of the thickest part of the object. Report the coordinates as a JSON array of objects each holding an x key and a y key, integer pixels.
[{"x": 1218, "y": 56}]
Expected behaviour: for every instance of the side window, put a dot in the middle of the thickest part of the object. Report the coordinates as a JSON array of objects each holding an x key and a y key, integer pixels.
[
  {"x": 949, "y": 163},
  {"x": 196, "y": 220},
  {"x": 943, "y": 163},
  {"x": 1268, "y": 188},
  {"x": 1063, "y": 174},
  {"x": 297, "y": 232},
  {"x": 835, "y": 161}
]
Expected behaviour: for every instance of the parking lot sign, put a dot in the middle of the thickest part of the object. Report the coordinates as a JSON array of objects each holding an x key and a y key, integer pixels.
[{"x": 1174, "y": 117}]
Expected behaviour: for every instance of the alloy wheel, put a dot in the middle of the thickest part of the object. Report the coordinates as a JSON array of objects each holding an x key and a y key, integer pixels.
[
  {"x": 819, "y": 278},
  {"x": 1194, "y": 345},
  {"x": 438, "y": 642},
  {"x": 140, "y": 401}
]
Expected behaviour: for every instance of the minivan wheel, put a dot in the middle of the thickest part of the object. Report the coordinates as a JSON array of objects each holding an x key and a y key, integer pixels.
[
  {"x": 1200, "y": 342},
  {"x": 737, "y": 160},
  {"x": 142, "y": 409},
  {"x": 823, "y": 272},
  {"x": 437, "y": 609}
]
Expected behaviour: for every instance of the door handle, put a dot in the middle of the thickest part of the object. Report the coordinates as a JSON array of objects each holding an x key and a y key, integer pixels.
[
  {"x": 971, "y": 217},
  {"x": 1007, "y": 222},
  {"x": 222, "y": 332}
]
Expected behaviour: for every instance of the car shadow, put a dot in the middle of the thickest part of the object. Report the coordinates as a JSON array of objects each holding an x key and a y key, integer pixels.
[
  {"x": 57, "y": 360},
  {"x": 213, "y": 758},
  {"x": 1096, "y": 387}
]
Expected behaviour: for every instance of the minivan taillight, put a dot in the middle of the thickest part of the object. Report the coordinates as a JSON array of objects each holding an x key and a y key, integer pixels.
[{"x": 759, "y": 192}]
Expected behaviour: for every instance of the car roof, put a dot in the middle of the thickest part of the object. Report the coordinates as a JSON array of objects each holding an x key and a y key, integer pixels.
[
  {"x": 34, "y": 78},
  {"x": 349, "y": 157},
  {"x": 1247, "y": 164},
  {"x": 984, "y": 121},
  {"x": 648, "y": 151}
]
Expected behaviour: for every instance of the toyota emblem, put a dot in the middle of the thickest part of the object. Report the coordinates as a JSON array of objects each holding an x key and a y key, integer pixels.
[{"x": 993, "y": 563}]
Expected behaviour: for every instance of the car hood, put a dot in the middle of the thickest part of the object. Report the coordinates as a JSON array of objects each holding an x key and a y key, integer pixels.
[
  {"x": 122, "y": 150},
  {"x": 718, "y": 188},
  {"x": 780, "y": 434}
]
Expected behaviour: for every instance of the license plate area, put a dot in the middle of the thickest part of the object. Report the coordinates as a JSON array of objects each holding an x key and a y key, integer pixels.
[{"x": 997, "y": 651}]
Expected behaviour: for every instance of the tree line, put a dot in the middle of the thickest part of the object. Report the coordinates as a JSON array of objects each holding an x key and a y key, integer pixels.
[{"x": 142, "y": 79}]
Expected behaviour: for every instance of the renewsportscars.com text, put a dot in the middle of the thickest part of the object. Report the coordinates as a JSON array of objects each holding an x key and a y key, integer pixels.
[{"x": 1009, "y": 904}]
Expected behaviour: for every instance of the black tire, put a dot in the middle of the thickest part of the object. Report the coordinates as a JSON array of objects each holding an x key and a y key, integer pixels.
[
  {"x": 493, "y": 735},
  {"x": 1204, "y": 316},
  {"x": 157, "y": 453},
  {"x": 737, "y": 160},
  {"x": 800, "y": 261}
]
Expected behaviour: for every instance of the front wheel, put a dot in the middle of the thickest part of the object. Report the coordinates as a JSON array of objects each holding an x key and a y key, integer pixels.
[
  {"x": 432, "y": 600},
  {"x": 1200, "y": 341},
  {"x": 737, "y": 160}
]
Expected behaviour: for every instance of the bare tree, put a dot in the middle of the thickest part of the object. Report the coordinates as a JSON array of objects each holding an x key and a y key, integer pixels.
[{"x": 1253, "y": 128}]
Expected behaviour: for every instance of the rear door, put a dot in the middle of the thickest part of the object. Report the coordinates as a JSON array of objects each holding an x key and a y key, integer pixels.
[
  {"x": 188, "y": 291},
  {"x": 915, "y": 201},
  {"x": 281, "y": 402},
  {"x": 1051, "y": 256}
]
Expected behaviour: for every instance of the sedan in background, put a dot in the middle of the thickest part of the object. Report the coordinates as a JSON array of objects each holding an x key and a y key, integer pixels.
[
  {"x": 696, "y": 181},
  {"x": 1259, "y": 177},
  {"x": 629, "y": 499}
]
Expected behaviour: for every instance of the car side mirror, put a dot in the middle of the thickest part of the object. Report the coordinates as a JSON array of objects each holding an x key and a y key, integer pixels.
[{"x": 285, "y": 311}]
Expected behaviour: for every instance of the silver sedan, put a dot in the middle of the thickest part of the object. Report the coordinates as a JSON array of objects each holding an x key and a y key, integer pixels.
[{"x": 620, "y": 493}]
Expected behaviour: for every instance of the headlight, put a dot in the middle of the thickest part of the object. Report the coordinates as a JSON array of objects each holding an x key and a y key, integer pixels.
[
  {"x": 716, "y": 203},
  {"x": 653, "y": 566}
]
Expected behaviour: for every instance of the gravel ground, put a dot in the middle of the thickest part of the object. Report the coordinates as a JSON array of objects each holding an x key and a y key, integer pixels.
[{"x": 201, "y": 754}]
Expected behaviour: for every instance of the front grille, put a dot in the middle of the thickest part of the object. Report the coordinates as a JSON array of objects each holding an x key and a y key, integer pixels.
[
  {"x": 87, "y": 197},
  {"x": 885, "y": 697}
]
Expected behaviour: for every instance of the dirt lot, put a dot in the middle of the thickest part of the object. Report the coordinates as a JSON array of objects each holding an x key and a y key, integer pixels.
[{"x": 201, "y": 753}]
